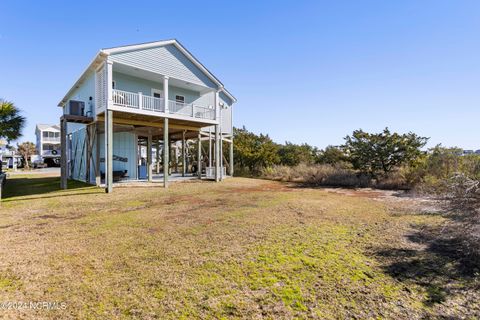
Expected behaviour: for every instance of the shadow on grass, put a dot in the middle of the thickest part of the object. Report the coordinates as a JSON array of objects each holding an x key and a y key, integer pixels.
[
  {"x": 437, "y": 262},
  {"x": 37, "y": 186}
]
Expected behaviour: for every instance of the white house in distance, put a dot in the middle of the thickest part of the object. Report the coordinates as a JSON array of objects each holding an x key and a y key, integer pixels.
[
  {"x": 132, "y": 104},
  {"x": 48, "y": 143}
]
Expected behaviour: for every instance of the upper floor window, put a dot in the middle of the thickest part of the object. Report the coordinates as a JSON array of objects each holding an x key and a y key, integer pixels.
[{"x": 180, "y": 99}]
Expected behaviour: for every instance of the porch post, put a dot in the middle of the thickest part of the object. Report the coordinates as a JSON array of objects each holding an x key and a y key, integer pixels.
[
  {"x": 97, "y": 156},
  {"x": 217, "y": 154},
  {"x": 108, "y": 151},
  {"x": 63, "y": 158},
  {"x": 210, "y": 147},
  {"x": 199, "y": 156},
  {"x": 89, "y": 136},
  {"x": 217, "y": 136},
  {"x": 109, "y": 130},
  {"x": 166, "y": 144},
  {"x": 158, "y": 156},
  {"x": 184, "y": 169},
  {"x": 149, "y": 157},
  {"x": 221, "y": 154},
  {"x": 231, "y": 157},
  {"x": 165, "y": 92}
]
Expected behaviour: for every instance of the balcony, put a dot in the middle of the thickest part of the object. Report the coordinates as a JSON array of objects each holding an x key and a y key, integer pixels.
[
  {"x": 132, "y": 101},
  {"x": 51, "y": 139}
]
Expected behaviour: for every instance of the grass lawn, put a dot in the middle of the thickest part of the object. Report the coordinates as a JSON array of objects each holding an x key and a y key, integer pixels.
[{"x": 242, "y": 248}]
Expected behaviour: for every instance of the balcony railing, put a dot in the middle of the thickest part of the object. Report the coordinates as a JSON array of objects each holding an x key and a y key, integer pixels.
[
  {"x": 51, "y": 139},
  {"x": 139, "y": 101}
]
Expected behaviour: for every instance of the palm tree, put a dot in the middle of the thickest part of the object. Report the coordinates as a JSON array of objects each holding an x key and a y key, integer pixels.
[{"x": 11, "y": 122}]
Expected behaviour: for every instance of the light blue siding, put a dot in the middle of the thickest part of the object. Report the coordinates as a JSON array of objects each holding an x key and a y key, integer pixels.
[
  {"x": 166, "y": 60},
  {"x": 84, "y": 92},
  {"x": 78, "y": 156},
  {"x": 125, "y": 146},
  {"x": 227, "y": 111},
  {"x": 133, "y": 84}
]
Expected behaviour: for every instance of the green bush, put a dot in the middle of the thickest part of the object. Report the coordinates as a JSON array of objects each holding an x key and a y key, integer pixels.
[{"x": 317, "y": 175}]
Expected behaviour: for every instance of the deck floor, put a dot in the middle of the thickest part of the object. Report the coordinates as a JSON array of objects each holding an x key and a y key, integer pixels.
[{"x": 158, "y": 180}]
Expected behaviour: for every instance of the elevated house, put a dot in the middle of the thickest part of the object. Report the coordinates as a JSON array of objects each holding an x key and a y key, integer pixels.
[
  {"x": 48, "y": 143},
  {"x": 134, "y": 103}
]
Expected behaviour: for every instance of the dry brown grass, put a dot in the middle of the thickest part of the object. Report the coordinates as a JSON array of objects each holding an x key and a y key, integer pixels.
[{"x": 242, "y": 248}]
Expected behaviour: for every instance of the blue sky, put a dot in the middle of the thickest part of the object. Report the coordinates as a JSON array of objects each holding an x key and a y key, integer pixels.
[{"x": 302, "y": 71}]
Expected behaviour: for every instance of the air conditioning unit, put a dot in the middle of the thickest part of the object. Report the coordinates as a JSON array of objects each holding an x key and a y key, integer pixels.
[{"x": 76, "y": 108}]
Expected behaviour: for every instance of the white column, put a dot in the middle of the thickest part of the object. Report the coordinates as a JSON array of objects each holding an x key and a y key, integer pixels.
[
  {"x": 108, "y": 151},
  {"x": 231, "y": 158},
  {"x": 210, "y": 147},
  {"x": 184, "y": 168},
  {"x": 63, "y": 157},
  {"x": 217, "y": 136},
  {"x": 149, "y": 157},
  {"x": 166, "y": 151},
  {"x": 109, "y": 67},
  {"x": 165, "y": 92},
  {"x": 217, "y": 153},
  {"x": 221, "y": 139},
  {"x": 109, "y": 129},
  {"x": 199, "y": 156}
]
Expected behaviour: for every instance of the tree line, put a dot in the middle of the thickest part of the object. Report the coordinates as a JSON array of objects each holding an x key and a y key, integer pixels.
[{"x": 370, "y": 153}]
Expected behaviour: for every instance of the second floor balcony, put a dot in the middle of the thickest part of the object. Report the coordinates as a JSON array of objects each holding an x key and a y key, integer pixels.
[
  {"x": 51, "y": 139},
  {"x": 132, "y": 101}
]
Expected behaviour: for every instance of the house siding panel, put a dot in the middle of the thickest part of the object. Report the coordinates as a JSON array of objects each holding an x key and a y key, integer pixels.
[
  {"x": 125, "y": 146},
  {"x": 166, "y": 60},
  {"x": 84, "y": 92},
  {"x": 226, "y": 123}
]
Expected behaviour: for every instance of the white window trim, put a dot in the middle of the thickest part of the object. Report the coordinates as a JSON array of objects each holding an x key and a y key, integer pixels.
[
  {"x": 157, "y": 91},
  {"x": 179, "y": 95}
]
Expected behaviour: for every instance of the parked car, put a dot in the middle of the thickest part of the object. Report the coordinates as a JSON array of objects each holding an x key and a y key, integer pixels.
[{"x": 39, "y": 164}]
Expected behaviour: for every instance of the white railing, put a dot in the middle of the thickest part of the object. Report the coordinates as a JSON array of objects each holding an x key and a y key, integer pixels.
[
  {"x": 180, "y": 108},
  {"x": 153, "y": 103},
  {"x": 191, "y": 110},
  {"x": 51, "y": 139},
  {"x": 149, "y": 103},
  {"x": 203, "y": 112},
  {"x": 125, "y": 99}
]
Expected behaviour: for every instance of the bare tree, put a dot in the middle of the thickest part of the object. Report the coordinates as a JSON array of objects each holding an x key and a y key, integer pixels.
[{"x": 26, "y": 150}]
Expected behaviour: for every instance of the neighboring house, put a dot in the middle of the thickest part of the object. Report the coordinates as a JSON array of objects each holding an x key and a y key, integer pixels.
[
  {"x": 48, "y": 143},
  {"x": 9, "y": 158},
  {"x": 133, "y": 105}
]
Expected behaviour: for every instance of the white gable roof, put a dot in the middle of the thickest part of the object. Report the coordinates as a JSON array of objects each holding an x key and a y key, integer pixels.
[
  {"x": 43, "y": 127},
  {"x": 146, "y": 46}
]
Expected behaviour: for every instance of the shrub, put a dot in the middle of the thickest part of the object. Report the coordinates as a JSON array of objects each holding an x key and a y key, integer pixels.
[
  {"x": 395, "y": 180},
  {"x": 463, "y": 199},
  {"x": 317, "y": 175}
]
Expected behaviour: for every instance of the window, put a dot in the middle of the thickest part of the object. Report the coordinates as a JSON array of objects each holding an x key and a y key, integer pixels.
[
  {"x": 57, "y": 134},
  {"x": 113, "y": 84},
  {"x": 157, "y": 93},
  {"x": 180, "y": 99},
  {"x": 45, "y": 134}
]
